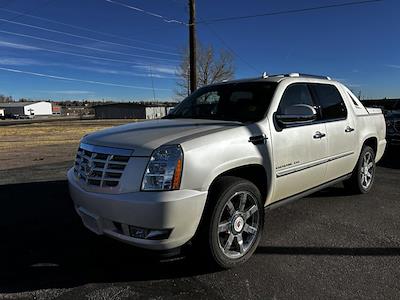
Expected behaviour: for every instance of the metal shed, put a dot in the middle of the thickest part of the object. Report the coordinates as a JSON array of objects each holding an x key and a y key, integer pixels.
[{"x": 129, "y": 111}]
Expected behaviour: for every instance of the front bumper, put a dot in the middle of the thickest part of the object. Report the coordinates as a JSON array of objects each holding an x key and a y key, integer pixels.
[{"x": 179, "y": 211}]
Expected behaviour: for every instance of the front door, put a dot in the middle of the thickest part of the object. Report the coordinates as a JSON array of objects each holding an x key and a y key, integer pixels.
[{"x": 299, "y": 150}]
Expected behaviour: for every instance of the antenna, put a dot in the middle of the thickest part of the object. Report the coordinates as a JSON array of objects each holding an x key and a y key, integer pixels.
[{"x": 152, "y": 83}]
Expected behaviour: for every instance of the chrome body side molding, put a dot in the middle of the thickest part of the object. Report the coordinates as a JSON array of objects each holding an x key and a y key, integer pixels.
[{"x": 311, "y": 164}]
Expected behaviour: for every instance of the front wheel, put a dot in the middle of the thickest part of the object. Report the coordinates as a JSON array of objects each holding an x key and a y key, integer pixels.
[
  {"x": 363, "y": 176},
  {"x": 235, "y": 221}
]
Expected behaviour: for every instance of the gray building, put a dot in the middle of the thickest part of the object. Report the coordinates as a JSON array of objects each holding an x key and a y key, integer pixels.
[{"x": 129, "y": 111}]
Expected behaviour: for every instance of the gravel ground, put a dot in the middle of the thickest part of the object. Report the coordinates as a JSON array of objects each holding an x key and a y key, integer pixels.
[{"x": 329, "y": 245}]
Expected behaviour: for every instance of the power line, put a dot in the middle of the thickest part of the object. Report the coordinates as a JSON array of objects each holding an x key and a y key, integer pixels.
[
  {"x": 84, "y": 47},
  {"x": 291, "y": 11},
  {"x": 87, "y": 29},
  {"x": 152, "y": 14},
  {"x": 79, "y": 80},
  {"x": 80, "y": 36}
]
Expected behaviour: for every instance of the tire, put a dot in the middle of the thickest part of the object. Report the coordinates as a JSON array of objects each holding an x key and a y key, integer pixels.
[
  {"x": 231, "y": 232},
  {"x": 363, "y": 175}
]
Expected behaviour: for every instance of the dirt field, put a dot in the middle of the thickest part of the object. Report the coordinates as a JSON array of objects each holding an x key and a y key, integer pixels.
[{"x": 42, "y": 151}]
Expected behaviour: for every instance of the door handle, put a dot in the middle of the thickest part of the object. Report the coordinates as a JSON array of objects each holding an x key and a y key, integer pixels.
[
  {"x": 258, "y": 139},
  {"x": 319, "y": 135},
  {"x": 349, "y": 129}
]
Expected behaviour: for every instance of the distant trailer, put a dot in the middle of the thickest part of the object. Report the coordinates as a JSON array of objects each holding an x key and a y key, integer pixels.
[
  {"x": 2, "y": 113},
  {"x": 56, "y": 109}
]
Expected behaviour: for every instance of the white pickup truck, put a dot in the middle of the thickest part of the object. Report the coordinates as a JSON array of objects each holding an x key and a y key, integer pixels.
[{"x": 208, "y": 171}]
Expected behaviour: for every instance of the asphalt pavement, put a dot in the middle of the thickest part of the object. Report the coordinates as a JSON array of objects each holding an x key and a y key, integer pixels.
[{"x": 328, "y": 245}]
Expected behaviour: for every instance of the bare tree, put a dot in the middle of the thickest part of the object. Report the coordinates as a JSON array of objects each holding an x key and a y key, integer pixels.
[
  {"x": 5, "y": 99},
  {"x": 211, "y": 68}
]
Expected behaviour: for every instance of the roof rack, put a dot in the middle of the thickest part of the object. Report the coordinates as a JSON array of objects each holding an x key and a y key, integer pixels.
[
  {"x": 307, "y": 75},
  {"x": 266, "y": 75}
]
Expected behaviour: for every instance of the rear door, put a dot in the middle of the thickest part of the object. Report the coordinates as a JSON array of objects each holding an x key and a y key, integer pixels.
[
  {"x": 299, "y": 151},
  {"x": 340, "y": 130}
]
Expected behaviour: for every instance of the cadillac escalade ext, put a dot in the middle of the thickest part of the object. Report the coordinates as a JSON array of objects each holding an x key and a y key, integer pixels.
[{"x": 210, "y": 169}]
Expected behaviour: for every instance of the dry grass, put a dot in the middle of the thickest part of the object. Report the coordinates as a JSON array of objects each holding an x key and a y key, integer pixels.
[{"x": 45, "y": 143}]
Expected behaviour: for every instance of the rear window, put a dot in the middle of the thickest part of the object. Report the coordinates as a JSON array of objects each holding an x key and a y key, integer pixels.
[{"x": 331, "y": 102}]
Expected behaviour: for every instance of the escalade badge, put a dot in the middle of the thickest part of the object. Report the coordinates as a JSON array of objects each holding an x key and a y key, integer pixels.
[{"x": 89, "y": 168}]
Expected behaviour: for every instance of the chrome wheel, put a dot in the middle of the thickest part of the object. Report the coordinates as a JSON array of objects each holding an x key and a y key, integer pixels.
[
  {"x": 238, "y": 225},
  {"x": 367, "y": 170}
]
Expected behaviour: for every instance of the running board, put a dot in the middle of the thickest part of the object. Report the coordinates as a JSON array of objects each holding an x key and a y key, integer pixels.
[{"x": 306, "y": 193}]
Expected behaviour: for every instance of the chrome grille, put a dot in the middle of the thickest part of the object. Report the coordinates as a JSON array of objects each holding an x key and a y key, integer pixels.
[{"x": 99, "y": 168}]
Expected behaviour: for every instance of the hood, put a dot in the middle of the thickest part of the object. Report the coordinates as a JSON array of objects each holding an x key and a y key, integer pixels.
[{"x": 144, "y": 137}]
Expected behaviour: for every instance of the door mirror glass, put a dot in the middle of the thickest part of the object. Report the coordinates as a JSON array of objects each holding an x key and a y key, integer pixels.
[{"x": 296, "y": 114}]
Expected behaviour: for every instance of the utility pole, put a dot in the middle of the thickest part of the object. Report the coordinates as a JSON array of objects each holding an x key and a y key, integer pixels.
[{"x": 192, "y": 46}]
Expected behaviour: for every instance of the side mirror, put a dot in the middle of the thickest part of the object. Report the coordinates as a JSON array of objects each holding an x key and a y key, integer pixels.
[{"x": 296, "y": 114}]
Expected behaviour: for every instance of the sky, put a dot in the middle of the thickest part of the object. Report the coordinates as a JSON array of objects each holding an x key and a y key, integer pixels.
[{"x": 127, "y": 50}]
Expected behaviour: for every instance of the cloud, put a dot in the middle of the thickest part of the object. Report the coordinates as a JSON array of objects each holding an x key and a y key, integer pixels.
[
  {"x": 67, "y": 92},
  {"x": 9, "y": 61},
  {"x": 117, "y": 72},
  {"x": 166, "y": 70},
  {"x": 81, "y": 80},
  {"x": 393, "y": 66},
  {"x": 171, "y": 70},
  {"x": 340, "y": 79},
  {"x": 354, "y": 85},
  {"x": 17, "y": 46}
]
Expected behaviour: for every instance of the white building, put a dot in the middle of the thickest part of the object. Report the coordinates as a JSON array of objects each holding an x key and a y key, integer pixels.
[
  {"x": 155, "y": 112},
  {"x": 41, "y": 108}
]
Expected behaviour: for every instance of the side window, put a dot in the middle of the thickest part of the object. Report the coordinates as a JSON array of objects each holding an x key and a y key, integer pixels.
[
  {"x": 332, "y": 104},
  {"x": 294, "y": 94}
]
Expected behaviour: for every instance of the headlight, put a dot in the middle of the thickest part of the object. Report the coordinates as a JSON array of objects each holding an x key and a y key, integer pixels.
[{"x": 164, "y": 170}]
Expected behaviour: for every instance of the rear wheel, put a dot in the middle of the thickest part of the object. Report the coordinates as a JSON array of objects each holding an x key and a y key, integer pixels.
[
  {"x": 234, "y": 222},
  {"x": 363, "y": 176}
]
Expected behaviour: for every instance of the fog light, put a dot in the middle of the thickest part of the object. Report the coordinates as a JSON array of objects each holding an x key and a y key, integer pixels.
[{"x": 149, "y": 234}]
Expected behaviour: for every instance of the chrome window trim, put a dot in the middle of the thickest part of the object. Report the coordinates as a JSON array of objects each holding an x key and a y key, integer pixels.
[{"x": 107, "y": 150}]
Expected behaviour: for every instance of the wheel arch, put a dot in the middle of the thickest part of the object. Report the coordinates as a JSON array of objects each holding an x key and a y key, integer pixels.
[
  {"x": 371, "y": 142},
  {"x": 254, "y": 173}
]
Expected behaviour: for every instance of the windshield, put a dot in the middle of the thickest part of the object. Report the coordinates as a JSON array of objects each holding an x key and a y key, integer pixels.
[{"x": 243, "y": 102}]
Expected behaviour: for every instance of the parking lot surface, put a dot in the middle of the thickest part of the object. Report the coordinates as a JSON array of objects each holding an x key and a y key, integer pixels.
[{"x": 328, "y": 245}]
